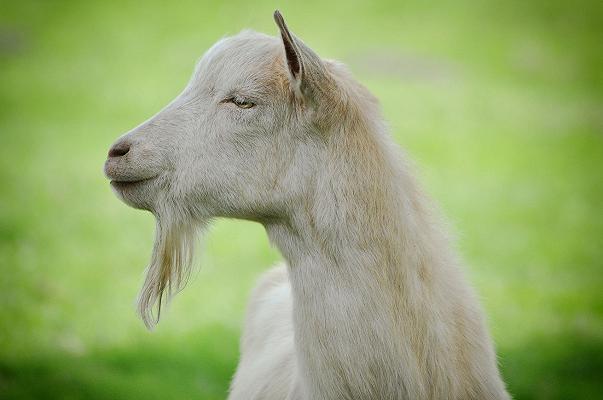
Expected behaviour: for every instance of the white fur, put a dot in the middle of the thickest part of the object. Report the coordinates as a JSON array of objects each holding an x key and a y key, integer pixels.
[{"x": 372, "y": 303}]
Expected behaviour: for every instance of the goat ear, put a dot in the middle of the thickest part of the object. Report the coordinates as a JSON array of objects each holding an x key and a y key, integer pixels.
[
  {"x": 307, "y": 72},
  {"x": 292, "y": 53}
]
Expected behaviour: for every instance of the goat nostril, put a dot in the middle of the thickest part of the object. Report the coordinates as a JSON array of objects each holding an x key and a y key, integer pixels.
[{"x": 119, "y": 149}]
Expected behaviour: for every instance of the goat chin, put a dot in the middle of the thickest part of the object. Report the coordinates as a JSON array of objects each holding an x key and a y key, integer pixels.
[{"x": 171, "y": 263}]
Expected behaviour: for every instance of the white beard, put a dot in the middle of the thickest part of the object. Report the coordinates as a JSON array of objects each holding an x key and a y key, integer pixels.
[{"x": 171, "y": 262}]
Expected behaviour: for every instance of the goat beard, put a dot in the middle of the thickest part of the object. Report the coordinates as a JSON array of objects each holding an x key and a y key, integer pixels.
[{"x": 171, "y": 262}]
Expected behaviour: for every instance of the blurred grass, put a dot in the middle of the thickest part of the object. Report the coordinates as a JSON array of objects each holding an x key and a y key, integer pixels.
[{"x": 500, "y": 104}]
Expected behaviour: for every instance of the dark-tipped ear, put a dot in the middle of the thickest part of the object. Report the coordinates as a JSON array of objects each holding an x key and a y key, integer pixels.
[{"x": 293, "y": 54}]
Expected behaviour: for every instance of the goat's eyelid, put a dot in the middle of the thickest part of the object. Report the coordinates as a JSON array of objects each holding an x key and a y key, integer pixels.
[{"x": 240, "y": 102}]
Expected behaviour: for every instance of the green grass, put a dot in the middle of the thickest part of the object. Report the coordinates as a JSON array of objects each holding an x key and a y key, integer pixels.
[{"x": 499, "y": 103}]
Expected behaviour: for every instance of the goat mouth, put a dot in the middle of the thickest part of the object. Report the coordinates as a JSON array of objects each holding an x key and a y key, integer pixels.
[{"x": 121, "y": 184}]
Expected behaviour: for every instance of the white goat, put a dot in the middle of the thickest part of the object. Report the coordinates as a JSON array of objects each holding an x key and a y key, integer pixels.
[{"x": 372, "y": 303}]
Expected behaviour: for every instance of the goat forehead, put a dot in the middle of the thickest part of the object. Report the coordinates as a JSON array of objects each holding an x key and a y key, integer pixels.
[{"x": 248, "y": 55}]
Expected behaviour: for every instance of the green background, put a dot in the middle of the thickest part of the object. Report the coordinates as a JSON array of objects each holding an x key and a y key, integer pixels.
[{"x": 499, "y": 103}]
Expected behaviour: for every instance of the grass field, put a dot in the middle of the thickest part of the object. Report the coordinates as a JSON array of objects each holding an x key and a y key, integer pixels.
[{"x": 499, "y": 103}]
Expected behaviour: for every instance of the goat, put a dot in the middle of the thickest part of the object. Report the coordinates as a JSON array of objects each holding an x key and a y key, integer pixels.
[{"x": 372, "y": 302}]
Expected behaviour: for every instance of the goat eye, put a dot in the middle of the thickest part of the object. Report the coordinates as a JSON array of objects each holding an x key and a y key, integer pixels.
[{"x": 242, "y": 103}]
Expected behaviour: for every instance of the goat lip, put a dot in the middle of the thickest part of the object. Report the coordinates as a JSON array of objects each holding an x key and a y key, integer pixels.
[{"x": 125, "y": 183}]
